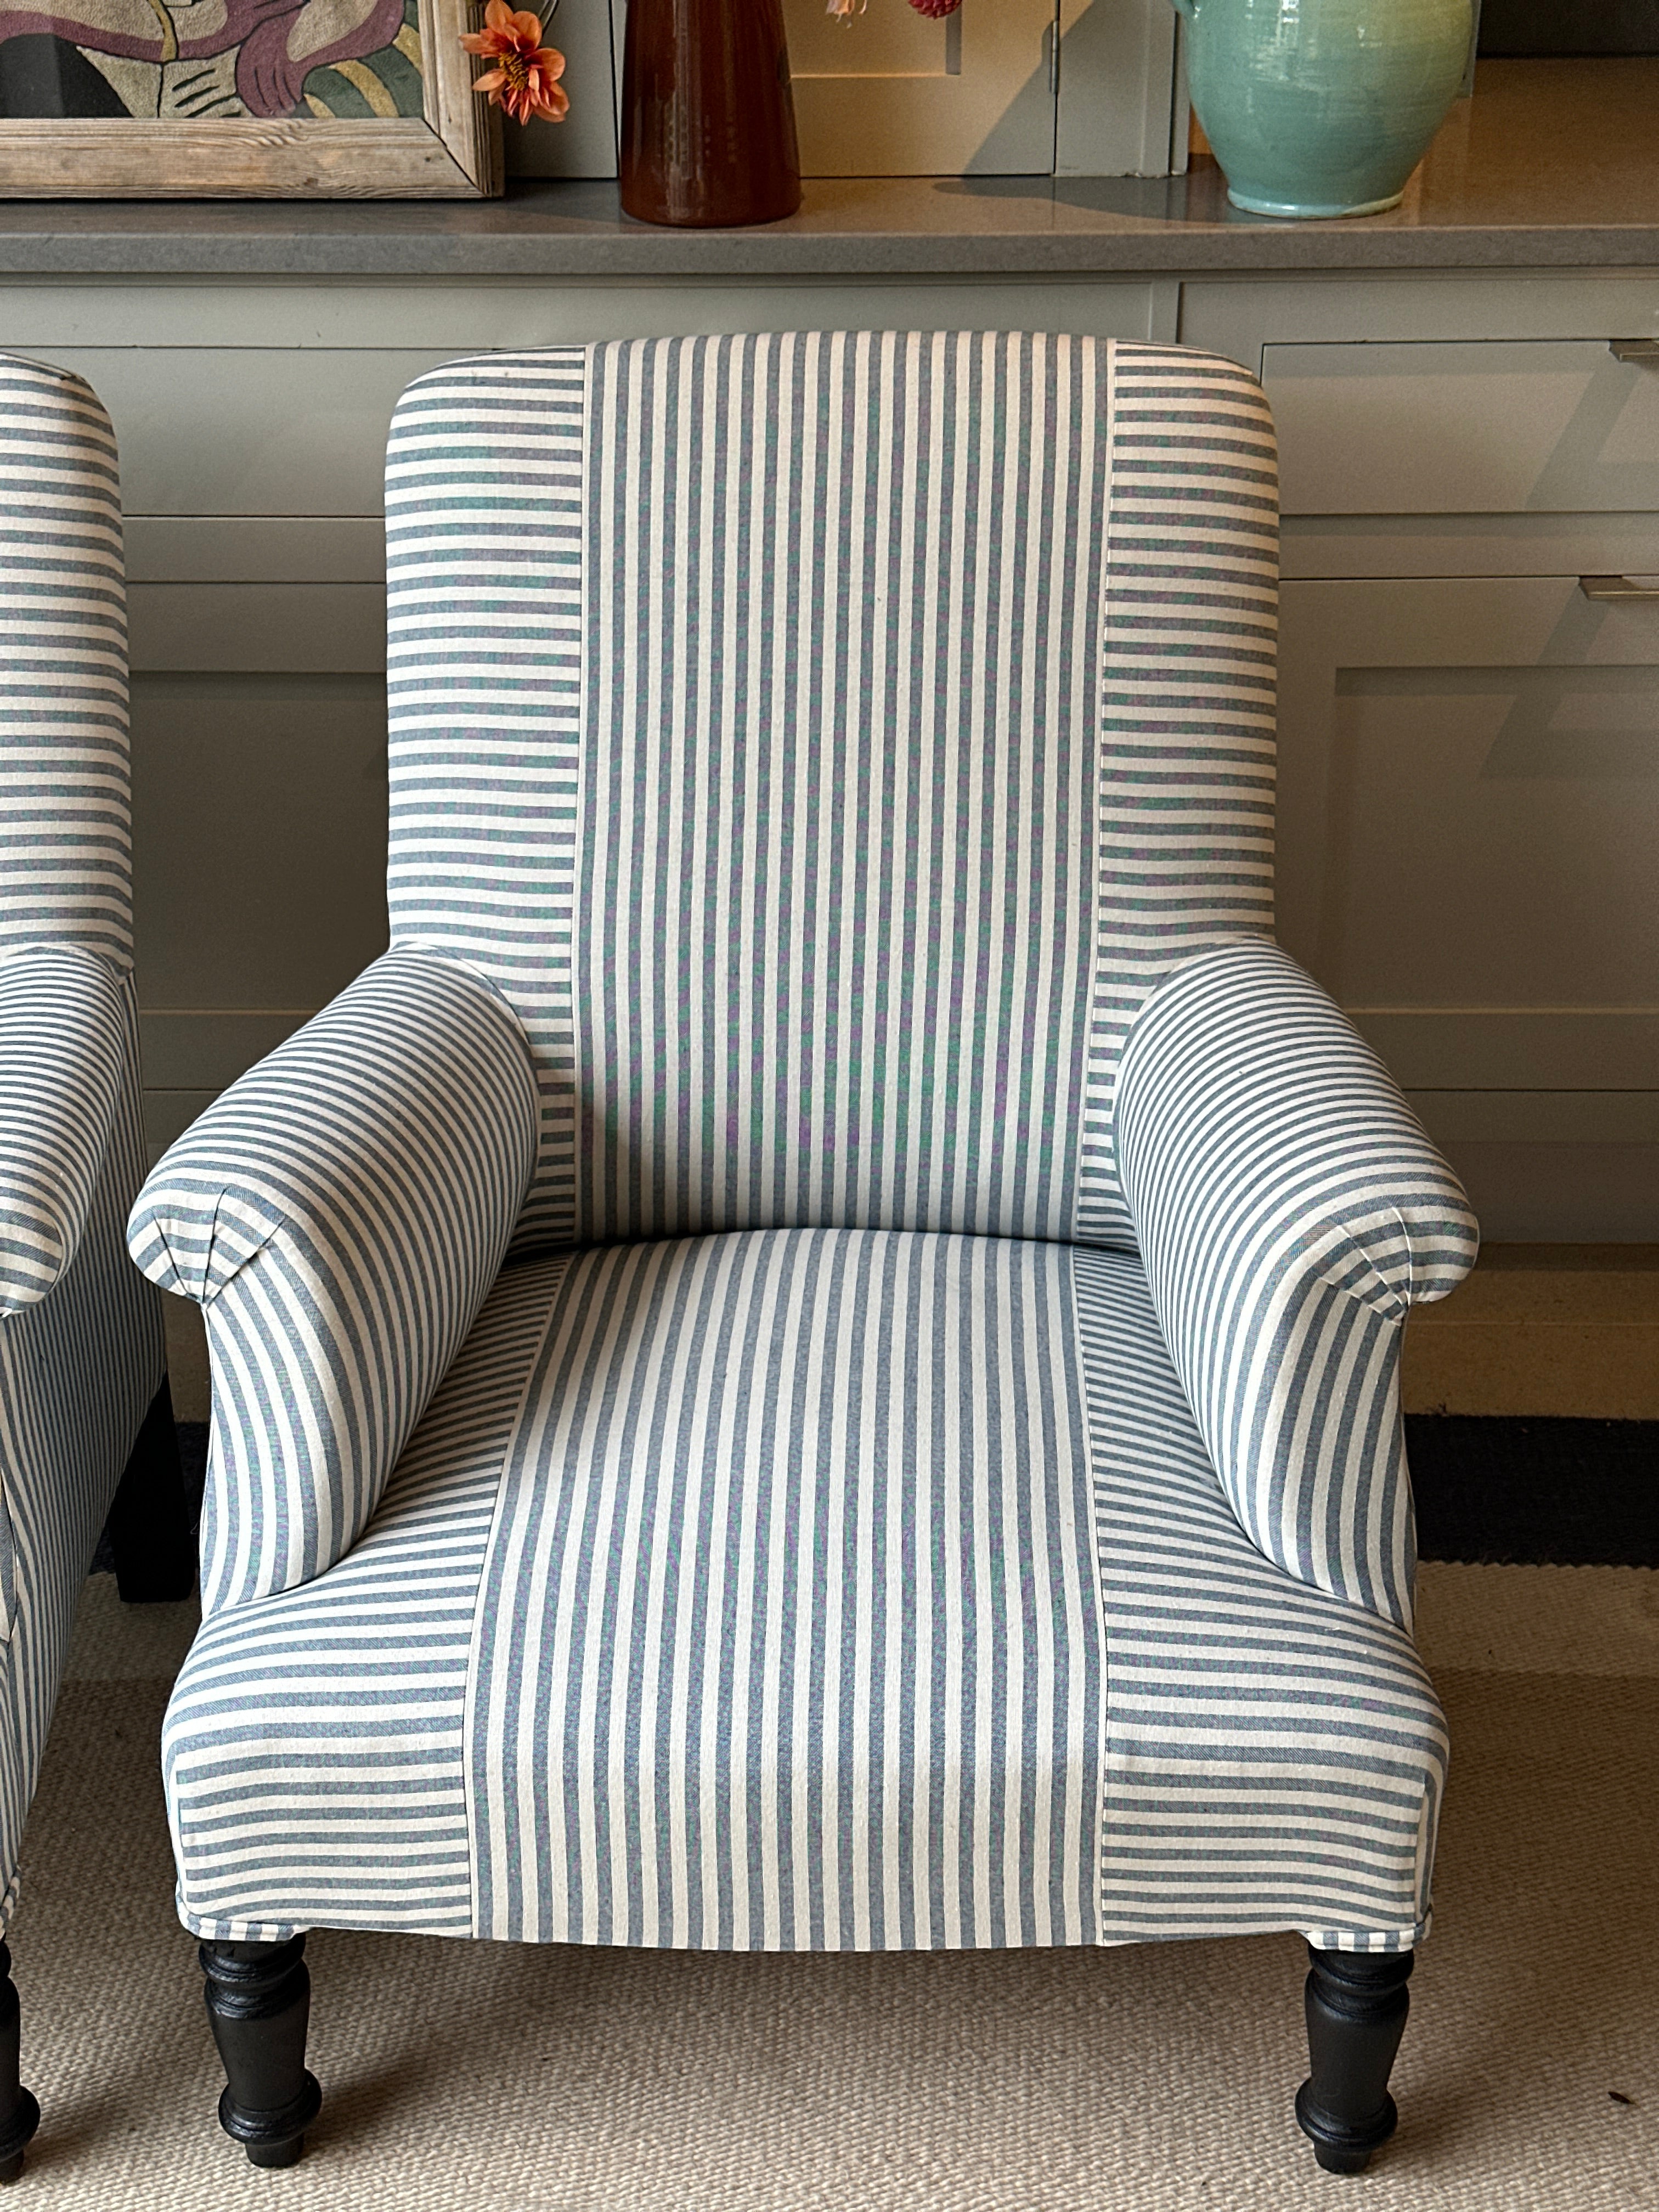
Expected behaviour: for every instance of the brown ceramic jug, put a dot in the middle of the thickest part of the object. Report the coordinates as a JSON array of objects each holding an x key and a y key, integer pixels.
[{"x": 707, "y": 122}]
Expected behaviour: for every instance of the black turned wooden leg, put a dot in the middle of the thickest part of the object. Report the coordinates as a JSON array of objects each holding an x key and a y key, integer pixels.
[
  {"x": 1357, "y": 2005},
  {"x": 258, "y": 2000},
  {"x": 149, "y": 1529},
  {"x": 20, "y": 2115}
]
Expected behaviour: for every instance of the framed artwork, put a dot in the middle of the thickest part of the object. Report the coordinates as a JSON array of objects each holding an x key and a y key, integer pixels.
[{"x": 235, "y": 99}]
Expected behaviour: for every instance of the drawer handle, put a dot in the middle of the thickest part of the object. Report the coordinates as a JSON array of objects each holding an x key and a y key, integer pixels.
[
  {"x": 1619, "y": 588},
  {"x": 1634, "y": 349}
]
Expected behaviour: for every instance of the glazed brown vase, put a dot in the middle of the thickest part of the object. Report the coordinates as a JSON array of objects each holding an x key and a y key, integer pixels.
[{"x": 708, "y": 123}]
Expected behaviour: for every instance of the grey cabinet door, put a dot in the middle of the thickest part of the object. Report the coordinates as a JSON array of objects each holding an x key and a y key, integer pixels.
[
  {"x": 1469, "y": 860},
  {"x": 260, "y": 812}
]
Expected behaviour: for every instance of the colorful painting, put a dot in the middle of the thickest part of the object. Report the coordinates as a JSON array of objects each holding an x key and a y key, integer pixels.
[{"x": 198, "y": 61}]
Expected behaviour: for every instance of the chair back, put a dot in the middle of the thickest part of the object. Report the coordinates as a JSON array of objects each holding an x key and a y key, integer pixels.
[{"x": 825, "y": 741}]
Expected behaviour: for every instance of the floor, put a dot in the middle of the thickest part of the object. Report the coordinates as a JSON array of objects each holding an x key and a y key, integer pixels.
[{"x": 1151, "y": 2079}]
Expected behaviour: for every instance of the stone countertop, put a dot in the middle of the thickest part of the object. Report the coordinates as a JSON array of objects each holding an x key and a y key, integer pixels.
[{"x": 1552, "y": 165}]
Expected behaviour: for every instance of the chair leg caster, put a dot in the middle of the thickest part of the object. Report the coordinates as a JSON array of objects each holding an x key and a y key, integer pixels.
[
  {"x": 259, "y": 2002},
  {"x": 15, "y": 2135},
  {"x": 1336, "y": 2148},
  {"x": 20, "y": 2115},
  {"x": 272, "y": 2139},
  {"x": 1356, "y": 2003}
]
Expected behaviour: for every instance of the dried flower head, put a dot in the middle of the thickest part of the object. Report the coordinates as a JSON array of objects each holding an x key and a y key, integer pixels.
[
  {"x": 844, "y": 10},
  {"x": 525, "y": 80},
  {"x": 936, "y": 7}
]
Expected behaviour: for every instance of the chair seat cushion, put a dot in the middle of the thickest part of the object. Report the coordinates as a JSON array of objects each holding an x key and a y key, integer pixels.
[{"x": 808, "y": 1589}]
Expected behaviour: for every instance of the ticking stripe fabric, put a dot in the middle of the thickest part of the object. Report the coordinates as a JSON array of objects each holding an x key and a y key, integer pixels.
[
  {"x": 80, "y": 1354},
  {"x": 1289, "y": 1210},
  {"x": 63, "y": 1056},
  {"x": 1274, "y": 1757},
  {"x": 313, "y": 1749},
  {"x": 78, "y": 1369},
  {"x": 829, "y": 873},
  {"x": 764, "y": 723},
  {"x": 1187, "y": 696},
  {"x": 798, "y": 1589},
  {"x": 65, "y": 837},
  {"x": 341, "y": 1213},
  {"x": 484, "y": 482},
  {"x": 795, "y": 1538}
]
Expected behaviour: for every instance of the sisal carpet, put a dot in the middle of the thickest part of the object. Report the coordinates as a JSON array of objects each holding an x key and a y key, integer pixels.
[{"x": 1145, "y": 2080}]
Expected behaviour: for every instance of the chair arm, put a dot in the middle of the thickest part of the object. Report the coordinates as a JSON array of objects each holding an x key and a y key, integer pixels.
[
  {"x": 340, "y": 1214},
  {"x": 63, "y": 1047},
  {"x": 1289, "y": 1210}
]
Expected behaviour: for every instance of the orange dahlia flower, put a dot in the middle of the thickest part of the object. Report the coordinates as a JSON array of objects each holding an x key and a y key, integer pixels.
[{"x": 525, "y": 80}]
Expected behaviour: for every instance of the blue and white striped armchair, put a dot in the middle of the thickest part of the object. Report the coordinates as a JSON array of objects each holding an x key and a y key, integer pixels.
[
  {"x": 809, "y": 1360},
  {"x": 83, "y": 1394}
]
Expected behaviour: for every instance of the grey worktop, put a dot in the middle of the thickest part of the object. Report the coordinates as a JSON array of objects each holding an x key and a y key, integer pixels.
[{"x": 1552, "y": 165}]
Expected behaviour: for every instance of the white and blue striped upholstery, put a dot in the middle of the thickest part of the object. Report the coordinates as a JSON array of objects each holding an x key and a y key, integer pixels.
[
  {"x": 81, "y": 1351},
  {"x": 759, "y": 725},
  {"x": 65, "y": 835},
  {"x": 867, "y": 1590},
  {"x": 928, "y": 1471},
  {"x": 340, "y": 1212},
  {"x": 1288, "y": 1213}
]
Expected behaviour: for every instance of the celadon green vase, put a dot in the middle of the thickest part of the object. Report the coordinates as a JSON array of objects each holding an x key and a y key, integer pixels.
[{"x": 1323, "y": 107}]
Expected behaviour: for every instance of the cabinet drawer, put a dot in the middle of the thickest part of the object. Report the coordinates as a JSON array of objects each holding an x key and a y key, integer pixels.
[
  {"x": 1468, "y": 815},
  {"x": 1486, "y": 428},
  {"x": 250, "y": 430}
]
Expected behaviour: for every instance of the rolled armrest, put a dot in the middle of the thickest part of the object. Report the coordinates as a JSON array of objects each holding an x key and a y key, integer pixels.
[
  {"x": 340, "y": 1214},
  {"x": 63, "y": 1044},
  {"x": 1289, "y": 1210}
]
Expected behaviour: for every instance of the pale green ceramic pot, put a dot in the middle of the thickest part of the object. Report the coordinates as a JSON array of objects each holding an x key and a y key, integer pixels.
[{"x": 1323, "y": 107}]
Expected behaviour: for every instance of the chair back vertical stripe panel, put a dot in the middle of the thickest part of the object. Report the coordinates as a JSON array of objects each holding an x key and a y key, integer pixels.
[{"x": 835, "y": 886}]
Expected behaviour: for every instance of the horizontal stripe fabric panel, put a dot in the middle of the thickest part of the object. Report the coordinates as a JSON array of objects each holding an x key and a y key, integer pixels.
[
  {"x": 484, "y": 488},
  {"x": 65, "y": 815},
  {"x": 765, "y": 721},
  {"x": 62, "y": 1055},
  {"x": 81, "y": 1349},
  {"x": 1187, "y": 697},
  {"x": 1289, "y": 1210},
  {"x": 807, "y": 1589}
]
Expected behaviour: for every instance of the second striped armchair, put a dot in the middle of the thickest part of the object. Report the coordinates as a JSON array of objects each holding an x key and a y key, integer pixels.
[
  {"x": 810, "y": 1361},
  {"x": 85, "y": 1418}
]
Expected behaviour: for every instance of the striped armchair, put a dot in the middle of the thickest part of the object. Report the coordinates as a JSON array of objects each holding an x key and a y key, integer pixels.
[
  {"x": 83, "y": 1393},
  {"x": 810, "y": 1361}
]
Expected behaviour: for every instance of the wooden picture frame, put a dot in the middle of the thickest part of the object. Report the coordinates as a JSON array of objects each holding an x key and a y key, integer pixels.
[{"x": 450, "y": 150}]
